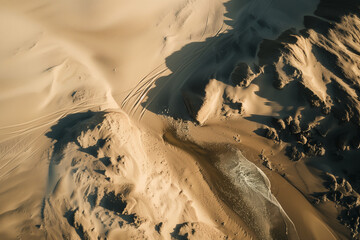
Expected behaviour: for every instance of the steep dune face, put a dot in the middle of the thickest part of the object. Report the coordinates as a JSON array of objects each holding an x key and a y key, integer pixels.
[
  {"x": 118, "y": 119},
  {"x": 316, "y": 72},
  {"x": 323, "y": 62}
]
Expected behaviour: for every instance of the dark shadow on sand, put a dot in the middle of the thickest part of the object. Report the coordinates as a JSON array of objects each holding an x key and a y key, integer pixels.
[{"x": 196, "y": 63}]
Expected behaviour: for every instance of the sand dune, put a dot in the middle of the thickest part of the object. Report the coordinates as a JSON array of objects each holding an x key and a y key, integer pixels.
[{"x": 182, "y": 119}]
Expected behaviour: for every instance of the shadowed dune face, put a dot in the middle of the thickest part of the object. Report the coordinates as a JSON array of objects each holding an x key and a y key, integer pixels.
[{"x": 195, "y": 64}]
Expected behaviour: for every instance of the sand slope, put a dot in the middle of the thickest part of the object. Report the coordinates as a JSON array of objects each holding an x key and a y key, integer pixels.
[{"x": 148, "y": 120}]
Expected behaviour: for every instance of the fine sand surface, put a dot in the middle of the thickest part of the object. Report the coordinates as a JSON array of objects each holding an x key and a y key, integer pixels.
[{"x": 178, "y": 119}]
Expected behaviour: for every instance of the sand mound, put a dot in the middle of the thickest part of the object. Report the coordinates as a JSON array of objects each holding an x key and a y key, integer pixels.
[{"x": 103, "y": 184}]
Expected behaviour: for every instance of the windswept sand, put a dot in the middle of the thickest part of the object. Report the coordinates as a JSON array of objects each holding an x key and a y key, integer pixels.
[{"x": 203, "y": 119}]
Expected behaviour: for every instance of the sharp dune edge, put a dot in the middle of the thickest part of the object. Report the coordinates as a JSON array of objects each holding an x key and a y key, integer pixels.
[{"x": 179, "y": 119}]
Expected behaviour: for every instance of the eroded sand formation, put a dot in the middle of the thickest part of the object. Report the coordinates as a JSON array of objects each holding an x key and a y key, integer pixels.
[{"x": 180, "y": 120}]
